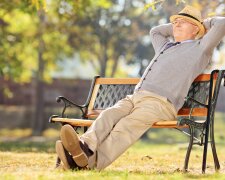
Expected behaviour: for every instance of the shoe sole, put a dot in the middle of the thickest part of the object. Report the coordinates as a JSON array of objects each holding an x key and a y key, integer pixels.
[
  {"x": 61, "y": 154},
  {"x": 70, "y": 141}
]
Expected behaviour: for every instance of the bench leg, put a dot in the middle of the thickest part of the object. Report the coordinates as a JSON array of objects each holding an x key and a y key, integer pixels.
[
  {"x": 189, "y": 149},
  {"x": 58, "y": 161},
  {"x": 213, "y": 146},
  {"x": 205, "y": 153},
  {"x": 85, "y": 129},
  {"x": 215, "y": 157}
]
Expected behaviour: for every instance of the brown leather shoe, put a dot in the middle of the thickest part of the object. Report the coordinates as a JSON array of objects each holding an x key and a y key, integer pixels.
[
  {"x": 64, "y": 156},
  {"x": 71, "y": 142}
]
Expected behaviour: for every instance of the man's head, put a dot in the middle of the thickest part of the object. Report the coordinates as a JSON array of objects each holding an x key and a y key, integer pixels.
[{"x": 187, "y": 24}]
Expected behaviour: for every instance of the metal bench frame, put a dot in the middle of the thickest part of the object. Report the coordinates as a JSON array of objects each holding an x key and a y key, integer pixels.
[{"x": 200, "y": 103}]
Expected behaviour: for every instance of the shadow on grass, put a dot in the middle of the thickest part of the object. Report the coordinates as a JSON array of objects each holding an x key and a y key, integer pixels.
[
  {"x": 200, "y": 176},
  {"x": 124, "y": 174}
]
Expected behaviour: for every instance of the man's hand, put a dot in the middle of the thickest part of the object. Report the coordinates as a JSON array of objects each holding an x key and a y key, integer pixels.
[{"x": 207, "y": 24}]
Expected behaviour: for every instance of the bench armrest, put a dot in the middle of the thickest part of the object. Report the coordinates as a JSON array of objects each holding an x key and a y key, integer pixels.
[
  {"x": 68, "y": 103},
  {"x": 193, "y": 100}
]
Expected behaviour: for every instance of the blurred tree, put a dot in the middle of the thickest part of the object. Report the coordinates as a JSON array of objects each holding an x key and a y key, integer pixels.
[
  {"x": 31, "y": 43},
  {"x": 114, "y": 34},
  {"x": 99, "y": 30},
  {"x": 48, "y": 24},
  {"x": 120, "y": 33}
]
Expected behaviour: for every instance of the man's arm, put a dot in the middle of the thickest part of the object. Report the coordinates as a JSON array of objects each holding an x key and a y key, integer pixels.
[
  {"x": 216, "y": 31},
  {"x": 159, "y": 35}
]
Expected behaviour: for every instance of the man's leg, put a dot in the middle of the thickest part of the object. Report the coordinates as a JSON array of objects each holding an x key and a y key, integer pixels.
[
  {"x": 147, "y": 110},
  {"x": 105, "y": 122},
  {"x": 80, "y": 148}
]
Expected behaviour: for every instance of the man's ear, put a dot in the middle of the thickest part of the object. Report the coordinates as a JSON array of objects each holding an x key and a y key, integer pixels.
[{"x": 196, "y": 30}]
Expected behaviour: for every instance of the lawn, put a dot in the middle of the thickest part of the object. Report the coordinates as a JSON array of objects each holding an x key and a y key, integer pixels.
[{"x": 34, "y": 158}]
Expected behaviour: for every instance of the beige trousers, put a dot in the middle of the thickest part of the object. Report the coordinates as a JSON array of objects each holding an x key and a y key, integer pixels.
[{"x": 120, "y": 126}]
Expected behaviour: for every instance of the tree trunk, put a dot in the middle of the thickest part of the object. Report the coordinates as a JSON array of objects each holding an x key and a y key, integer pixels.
[
  {"x": 115, "y": 65},
  {"x": 104, "y": 60},
  {"x": 38, "y": 124}
]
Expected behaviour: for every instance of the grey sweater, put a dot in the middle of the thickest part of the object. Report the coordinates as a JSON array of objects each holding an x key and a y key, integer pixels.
[{"x": 172, "y": 71}]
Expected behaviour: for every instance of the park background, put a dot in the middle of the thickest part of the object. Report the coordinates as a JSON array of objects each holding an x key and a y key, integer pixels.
[{"x": 51, "y": 48}]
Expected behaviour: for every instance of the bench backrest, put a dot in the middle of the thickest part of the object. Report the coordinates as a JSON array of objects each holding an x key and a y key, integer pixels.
[{"x": 105, "y": 92}]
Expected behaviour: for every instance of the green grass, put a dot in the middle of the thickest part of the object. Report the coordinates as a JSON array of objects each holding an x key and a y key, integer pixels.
[
  {"x": 162, "y": 157},
  {"x": 36, "y": 160}
]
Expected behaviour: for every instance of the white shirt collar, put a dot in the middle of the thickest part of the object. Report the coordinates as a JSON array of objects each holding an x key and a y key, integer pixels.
[{"x": 190, "y": 40}]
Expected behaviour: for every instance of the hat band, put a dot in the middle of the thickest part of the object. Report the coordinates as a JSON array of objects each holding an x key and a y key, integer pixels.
[{"x": 188, "y": 15}]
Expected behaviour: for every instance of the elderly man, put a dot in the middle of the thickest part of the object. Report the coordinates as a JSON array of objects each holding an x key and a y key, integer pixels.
[{"x": 158, "y": 96}]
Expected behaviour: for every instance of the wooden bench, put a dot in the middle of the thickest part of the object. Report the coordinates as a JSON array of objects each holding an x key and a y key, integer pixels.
[{"x": 196, "y": 113}]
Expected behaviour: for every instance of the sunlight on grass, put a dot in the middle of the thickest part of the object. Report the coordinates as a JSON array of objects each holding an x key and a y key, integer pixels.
[
  {"x": 51, "y": 133},
  {"x": 15, "y": 132},
  {"x": 141, "y": 161},
  {"x": 20, "y": 133}
]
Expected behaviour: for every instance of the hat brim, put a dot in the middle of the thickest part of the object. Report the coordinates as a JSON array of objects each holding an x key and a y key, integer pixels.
[{"x": 199, "y": 24}]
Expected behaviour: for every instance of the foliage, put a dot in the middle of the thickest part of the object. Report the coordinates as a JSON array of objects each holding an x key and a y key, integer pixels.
[
  {"x": 20, "y": 42},
  {"x": 21, "y": 31},
  {"x": 105, "y": 33},
  {"x": 39, "y": 4},
  {"x": 114, "y": 35},
  {"x": 212, "y": 6}
]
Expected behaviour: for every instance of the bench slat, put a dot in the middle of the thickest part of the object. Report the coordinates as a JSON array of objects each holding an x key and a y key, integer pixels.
[
  {"x": 117, "y": 81},
  {"x": 201, "y": 77},
  {"x": 195, "y": 112},
  {"x": 87, "y": 123},
  {"x": 201, "y": 112},
  {"x": 74, "y": 122}
]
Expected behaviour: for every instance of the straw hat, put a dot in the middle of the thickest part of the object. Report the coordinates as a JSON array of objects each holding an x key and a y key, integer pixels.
[{"x": 192, "y": 15}]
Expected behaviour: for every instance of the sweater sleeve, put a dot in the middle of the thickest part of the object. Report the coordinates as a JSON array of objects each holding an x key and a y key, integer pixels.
[
  {"x": 159, "y": 35},
  {"x": 215, "y": 32}
]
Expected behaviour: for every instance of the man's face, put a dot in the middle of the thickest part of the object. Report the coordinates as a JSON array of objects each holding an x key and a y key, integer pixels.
[{"x": 184, "y": 30}]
